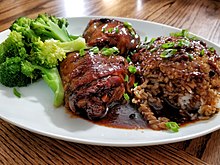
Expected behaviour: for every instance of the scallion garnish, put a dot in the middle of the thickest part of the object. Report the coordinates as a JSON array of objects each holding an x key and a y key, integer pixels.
[
  {"x": 154, "y": 49},
  {"x": 185, "y": 33},
  {"x": 109, "y": 51},
  {"x": 116, "y": 30},
  {"x": 152, "y": 40},
  {"x": 173, "y": 126},
  {"x": 182, "y": 33},
  {"x": 127, "y": 25},
  {"x": 128, "y": 59},
  {"x": 103, "y": 29},
  {"x": 110, "y": 30},
  {"x": 132, "y": 69},
  {"x": 183, "y": 42},
  {"x": 95, "y": 50},
  {"x": 126, "y": 78},
  {"x": 82, "y": 52},
  {"x": 136, "y": 84},
  {"x": 168, "y": 45},
  {"x": 150, "y": 43},
  {"x": 168, "y": 53},
  {"x": 211, "y": 49},
  {"x": 145, "y": 39},
  {"x": 133, "y": 33},
  {"x": 16, "y": 93},
  {"x": 126, "y": 97},
  {"x": 202, "y": 52},
  {"x": 190, "y": 56}
]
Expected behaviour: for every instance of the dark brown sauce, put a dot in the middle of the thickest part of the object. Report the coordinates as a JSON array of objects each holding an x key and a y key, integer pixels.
[
  {"x": 123, "y": 116},
  {"x": 127, "y": 117},
  {"x": 120, "y": 116},
  {"x": 188, "y": 123}
]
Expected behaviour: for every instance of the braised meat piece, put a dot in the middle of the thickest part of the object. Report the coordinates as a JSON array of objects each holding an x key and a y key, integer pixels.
[
  {"x": 109, "y": 32},
  {"x": 180, "y": 80},
  {"x": 93, "y": 83}
]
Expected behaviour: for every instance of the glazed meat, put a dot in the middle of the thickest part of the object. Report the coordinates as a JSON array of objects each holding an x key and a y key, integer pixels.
[
  {"x": 180, "y": 81},
  {"x": 109, "y": 32},
  {"x": 93, "y": 83}
]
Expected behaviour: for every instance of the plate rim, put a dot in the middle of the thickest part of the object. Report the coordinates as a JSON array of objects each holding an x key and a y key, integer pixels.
[{"x": 118, "y": 144}]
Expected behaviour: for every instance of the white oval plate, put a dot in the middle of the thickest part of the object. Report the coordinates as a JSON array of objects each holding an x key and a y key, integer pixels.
[{"x": 34, "y": 110}]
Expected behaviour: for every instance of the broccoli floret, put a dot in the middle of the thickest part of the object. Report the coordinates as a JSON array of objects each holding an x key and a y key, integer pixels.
[
  {"x": 50, "y": 76},
  {"x": 44, "y": 26},
  {"x": 50, "y": 52},
  {"x": 11, "y": 75},
  {"x": 12, "y": 52},
  {"x": 48, "y": 27},
  {"x": 34, "y": 49},
  {"x": 23, "y": 26},
  {"x": 12, "y": 46}
]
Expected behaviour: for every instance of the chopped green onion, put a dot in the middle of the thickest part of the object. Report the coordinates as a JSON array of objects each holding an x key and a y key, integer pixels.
[
  {"x": 212, "y": 49},
  {"x": 110, "y": 30},
  {"x": 183, "y": 42},
  {"x": 190, "y": 56},
  {"x": 128, "y": 59},
  {"x": 82, "y": 52},
  {"x": 126, "y": 78},
  {"x": 132, "y": 69},
  {"x": 109, "y": 51},
  {"x": 202, "y": 52},
  {"x": 133, "y": 33},
  {"x": 16, "y": 93},
  {"x": 145, "y": 39},
  {"x": 94, "y": 49},
  {"x": 152, "y": 40},
  {"x": 185, "y": 33},
  {"x": 173, "y": 126},
  {"x": 150, "y": 43},
  {"x": 103, "y": 29},
  {"x": 128, "y": 25},
  {"x": 182, "y": 33},
  {"x": 136, "y": 84},
  {"x": 168, "y": 53},
  {"x": 168, "y": 45},
  {"x": 126, "y": 96},
  {"x": 116, "y": 30},
  {"x": 194, "y": 38},
  {"x": 154, "y": 49}
]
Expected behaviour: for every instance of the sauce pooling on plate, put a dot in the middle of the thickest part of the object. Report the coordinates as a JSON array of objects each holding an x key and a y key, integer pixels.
[{"x": 123, "y": 116}]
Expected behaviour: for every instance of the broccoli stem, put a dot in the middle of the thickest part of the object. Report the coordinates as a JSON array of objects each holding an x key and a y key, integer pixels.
[
  {"x": 53, "y": 80},
  {"x": 57, "y": 33},
  {"x": 51, "y": 30},
  {"x": 74, "y": 45},
  {"x": 50, "y": 76}
]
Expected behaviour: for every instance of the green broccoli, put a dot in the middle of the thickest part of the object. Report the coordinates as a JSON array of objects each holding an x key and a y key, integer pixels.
[
  {"x": 50, "y": 52},
  {"x": 48, "y": 27},
  {"x": 12, "y": 52},
  {"x": 13, "y": 46},
  {"x": 34, "y": 49},
  {"x": 23, "y": 26},
  {"x": 11, "y": 75},
  {"x": 50, "y": 76},
  {"x": 44, "y": 26}
]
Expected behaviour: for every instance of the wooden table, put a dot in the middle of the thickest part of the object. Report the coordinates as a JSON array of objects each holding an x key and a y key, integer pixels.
[{"x": 18, "y": 146}]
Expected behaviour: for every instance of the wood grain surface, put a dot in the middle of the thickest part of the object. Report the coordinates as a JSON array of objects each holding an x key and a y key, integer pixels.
[{"x": 18, "y": 146}]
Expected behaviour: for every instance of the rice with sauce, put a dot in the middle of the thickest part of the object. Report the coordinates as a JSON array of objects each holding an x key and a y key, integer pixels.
[{"x": 180, "y": 79}]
